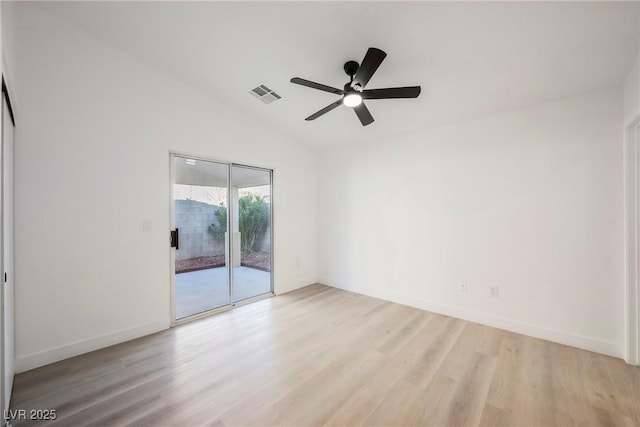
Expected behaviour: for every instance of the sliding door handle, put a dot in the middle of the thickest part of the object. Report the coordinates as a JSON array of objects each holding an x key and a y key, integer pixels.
[{"x": 175, "y": 239}]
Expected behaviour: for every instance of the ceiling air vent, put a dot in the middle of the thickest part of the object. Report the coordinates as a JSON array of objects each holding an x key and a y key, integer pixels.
[{"x": 264, "y": 94}]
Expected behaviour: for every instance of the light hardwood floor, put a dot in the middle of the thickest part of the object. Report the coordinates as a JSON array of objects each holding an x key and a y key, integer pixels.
[{"x": 322, "y": 356}]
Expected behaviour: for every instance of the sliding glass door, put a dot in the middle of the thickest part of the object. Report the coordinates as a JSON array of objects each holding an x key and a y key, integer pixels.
[
  {"x": 200, "y": 201},
  {"x": 221, "y": 235},
  {"x": 251, "y": 219}
]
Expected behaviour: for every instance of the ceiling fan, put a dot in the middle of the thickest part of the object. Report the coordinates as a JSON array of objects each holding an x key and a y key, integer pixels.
[{"x": 354, "y": 92}]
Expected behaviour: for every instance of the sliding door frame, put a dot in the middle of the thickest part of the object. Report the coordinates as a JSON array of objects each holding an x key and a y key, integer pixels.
[
  {"x": 632, "y": 241},
  {"x": 272, "y": 284},
  {"x": 172, "y": 257},
  {"x": 172, "y": 252}
]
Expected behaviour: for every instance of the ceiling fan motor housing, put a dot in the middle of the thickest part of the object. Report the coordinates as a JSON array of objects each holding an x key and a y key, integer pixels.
[{"x": 351, "y": 68}]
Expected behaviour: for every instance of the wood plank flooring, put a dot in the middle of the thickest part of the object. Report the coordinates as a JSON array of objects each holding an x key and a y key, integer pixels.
[{"x": 325, "y": 357}]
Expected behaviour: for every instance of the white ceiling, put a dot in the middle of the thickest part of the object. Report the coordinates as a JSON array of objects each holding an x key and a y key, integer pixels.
[{"x": 471, "y": 59}]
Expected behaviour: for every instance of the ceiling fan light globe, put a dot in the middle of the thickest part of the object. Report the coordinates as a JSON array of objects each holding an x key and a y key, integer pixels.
[{"x": 352, "y": 100}]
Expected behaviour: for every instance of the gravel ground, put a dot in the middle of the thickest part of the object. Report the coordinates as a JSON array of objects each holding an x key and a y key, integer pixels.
[{"x": 260, "y": 260}]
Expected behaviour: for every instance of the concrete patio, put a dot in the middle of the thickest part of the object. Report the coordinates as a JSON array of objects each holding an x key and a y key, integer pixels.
[{"x": 203, "y": 290}]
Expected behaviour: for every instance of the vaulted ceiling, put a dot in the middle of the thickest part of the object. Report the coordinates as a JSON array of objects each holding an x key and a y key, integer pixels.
[{"x": 471, "y": 58}]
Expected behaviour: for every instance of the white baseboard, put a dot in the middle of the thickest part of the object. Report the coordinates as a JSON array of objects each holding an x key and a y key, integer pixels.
[
  {"x": 55, "y": 354},
  {"x": 279, "y": 290},
  {"x": 560, "y": 337},
  {"x": 45, "y": 357}
]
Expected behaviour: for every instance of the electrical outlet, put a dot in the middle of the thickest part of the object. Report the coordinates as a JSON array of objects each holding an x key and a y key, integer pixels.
[
  {"x": 462, "y": 286},
  {"x": 146, "y": 225},
  {"x": 493, "y": 291}
]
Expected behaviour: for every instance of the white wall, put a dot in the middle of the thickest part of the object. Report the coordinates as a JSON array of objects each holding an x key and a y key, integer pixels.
[
  {"x": 95, "y": 130},
  {"x": 8, "y": 46},
  {"x": 631, "y": 96},
  {"x": 530, "y": 201},
  {"x": 631, "y": 93}
]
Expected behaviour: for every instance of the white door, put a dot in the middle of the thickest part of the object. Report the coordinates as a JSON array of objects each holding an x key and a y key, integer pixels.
[{"x": 7, "y": 250}]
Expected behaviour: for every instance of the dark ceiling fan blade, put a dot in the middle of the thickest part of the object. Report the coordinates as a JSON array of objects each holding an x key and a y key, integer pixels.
[
  {"x": 363, "y": 114},
  {"x": 392, "y": 92},
  {"x": 325, "y": 110},
  {"x": 370, "y": 64},
  {"x": 314, "y": 85}
]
